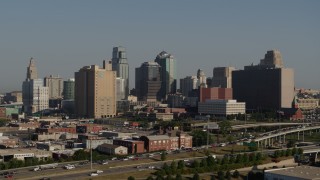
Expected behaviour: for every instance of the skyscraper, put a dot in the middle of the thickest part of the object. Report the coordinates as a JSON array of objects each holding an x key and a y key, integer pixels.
[
  {"x": 95, "y": 95},
  {"x": 188, "y": 84},
  {"x": 121, "y": 66},
  {"x": 35, "y": 95},
  {"x": 148, "y": 84},
  {"x": 222, "y": 77},
  {"x": 168, "y": 73},
  {"x": 267, "y": 85},
  {"x": 55, "y": 85},
  {"x": 202, "y": 80},
  {"x": 68, "y": 89}
]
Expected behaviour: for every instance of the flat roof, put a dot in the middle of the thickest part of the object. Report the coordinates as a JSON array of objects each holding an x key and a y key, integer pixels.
[
  {"x": 303, "y": 172},
  {"x": 7, "y": 152}
]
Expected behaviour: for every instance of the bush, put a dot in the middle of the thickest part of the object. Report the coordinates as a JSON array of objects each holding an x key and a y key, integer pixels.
[{"x": 131, "y": 178}]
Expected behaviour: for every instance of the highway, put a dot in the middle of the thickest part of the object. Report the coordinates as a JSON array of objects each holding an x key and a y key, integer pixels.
[{"x": 114, "y": 167}]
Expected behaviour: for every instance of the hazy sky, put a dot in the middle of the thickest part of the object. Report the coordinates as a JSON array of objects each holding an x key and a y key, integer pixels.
[{"x": 64, "y": 36}]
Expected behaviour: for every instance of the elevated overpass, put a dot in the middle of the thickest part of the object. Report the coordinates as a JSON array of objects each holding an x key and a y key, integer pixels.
[{"x": 268, "y": 139}]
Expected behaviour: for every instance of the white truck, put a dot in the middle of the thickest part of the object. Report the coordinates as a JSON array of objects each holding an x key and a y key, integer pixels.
[
  {"x": 45, "y": 166},
  {"x": 69, "y": 166}
]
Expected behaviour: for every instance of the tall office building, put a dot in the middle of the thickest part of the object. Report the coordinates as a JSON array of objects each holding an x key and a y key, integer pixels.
[
  {"x": 55, "y": 85},
  {"x": 222, "y": 77},
  {"x": 120, "y": 87},
  {"x": 95, "y": 95},
  {"x": 168, "y": 74},
  {"x": 202, "y": 80},
  {"x": 188, "y": 84},
  {"x": 68, "y": 89},
  {"x": 267, "y": 85},
  {"x": 148, "y": 84},
  {"x": 35, "y": 95},
  {"x": 121, "y": 66}
]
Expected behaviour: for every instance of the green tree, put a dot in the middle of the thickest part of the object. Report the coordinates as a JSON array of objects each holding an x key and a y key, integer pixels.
[
  {"x": 220, "y": 175},
  {"x": 212, "y": 177},
  {"x": 300, "y": 151},
  {"x": 228, "y": 175},
  {"x": 210, "y": 161},
  {"x": 290, "y": 144},
  {"x": 195, "y": 164},
  {"x": 173, "y": 167},
  {"x": 163, "y": 156},
  {"x": 199, "y": 138},
  {"x": 196, "y": 176},
  {"x": 245, "y": 158},
  {"x": 80, "y": 155},
  {"x": 131, "y": 178},
  {"x": 225, "y": 127},
  {"x": 203, "y": 163},
  {"x": 3, "y": 122},
  {"x": 178, "y": 176},
  {"x": 276, "y": 154},
  {"x": 159, "y": 177},
  {"x": 150, "y": 178},
  {"x": 259, "y": 156},
  {"x": 236, "y": 174},
  {"x": 181, "y": 164},
  {"x": 169, "y": 177},
  {"x": 288, "y": 152}
]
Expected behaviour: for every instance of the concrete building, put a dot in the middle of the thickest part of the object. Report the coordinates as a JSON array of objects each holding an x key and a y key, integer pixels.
[
  {"x": 34, "y": 94},
  {"x": 95, "y": 95},
  {"x": 121, "y": 66},
  {"x": 215, "y": 93},
  {"x": 133, "y": 146},
  {"x": 222, "y": 77},
  {"x": 168, "y": 73},
  {"x": 148, "y": 84},
  {"x": 13, "y": 97},
  {"x": 55, "y": 86},
  {"x": 48, "y": 146},
  {"x": 176, "y": 100},
  {"x": 112, "y": 149},
  {"x": 188, "y": 84},
  {"x": 94, "y": 143},
  {"x": 68, "y": 89},
  {"x": 202, "y": 79},
  {"x": 293, "y": 173},
  {"x": 21, "y": 154},
  {"x": 265, "y": 86},
  {"x": 222, "y": 107}
]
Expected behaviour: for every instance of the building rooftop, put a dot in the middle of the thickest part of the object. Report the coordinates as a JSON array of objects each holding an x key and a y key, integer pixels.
[
  {"x": 109, "y": 145},
  {"x": 158, "y": 137},
  {"x": 303, "y": 172}
]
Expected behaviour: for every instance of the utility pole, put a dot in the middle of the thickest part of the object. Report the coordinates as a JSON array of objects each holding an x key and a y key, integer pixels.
[{"x": 91, "y": 153}]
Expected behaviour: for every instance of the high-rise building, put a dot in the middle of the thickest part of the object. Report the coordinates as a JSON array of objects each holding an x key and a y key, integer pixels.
[
  {"x": 222, "y": 77},
  {"x": 265, "y": 86},
  {"x": 188, "y": 84},
  {"x": 55, "y": 85},
  {"x": 120, "y": 87},
  {"x": 68, "y": 89},
  {"x": 121, "y": 66},
  {"x": 95, "y": 95},
  {"x": 148, "y": 84},
  {"x": 202, "y": 80},
  {"x": 168, "y": 73},
  {"x": 32, "y": 72},
  {"x": 35, "y": 95}
]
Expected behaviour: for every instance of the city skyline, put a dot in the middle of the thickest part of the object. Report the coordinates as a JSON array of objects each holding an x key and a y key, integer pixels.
[{"x": 65, "y": 36}]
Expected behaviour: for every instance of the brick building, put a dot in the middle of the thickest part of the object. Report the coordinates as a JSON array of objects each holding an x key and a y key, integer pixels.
[
  {"x": 87, "y": 128},
  {"x": 156, "y": 143},
  {"x": 215, "y": 93},
  {"x": 60, "y": 129},
  {"x": 133, "y": 146}
]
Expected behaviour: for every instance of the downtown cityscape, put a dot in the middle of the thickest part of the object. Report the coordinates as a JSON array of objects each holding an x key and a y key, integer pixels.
[{"x": 162, "y": 117}]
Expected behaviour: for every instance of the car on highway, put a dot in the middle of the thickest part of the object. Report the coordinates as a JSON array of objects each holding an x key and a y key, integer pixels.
[
  {"x": 125, "y": 159},
  {"x": 99, "y": 171},
  {"x": 104, "y": 162},
  {"x": 93, "y": 174},
  {"x": 151, "y": 167},
  {"x": 114, "y": 158},
  {"x": 69, "y": 166}
]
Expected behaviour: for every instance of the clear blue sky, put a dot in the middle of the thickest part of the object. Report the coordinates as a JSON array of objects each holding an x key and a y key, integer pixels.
[{"x": 65, "y": 35}]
